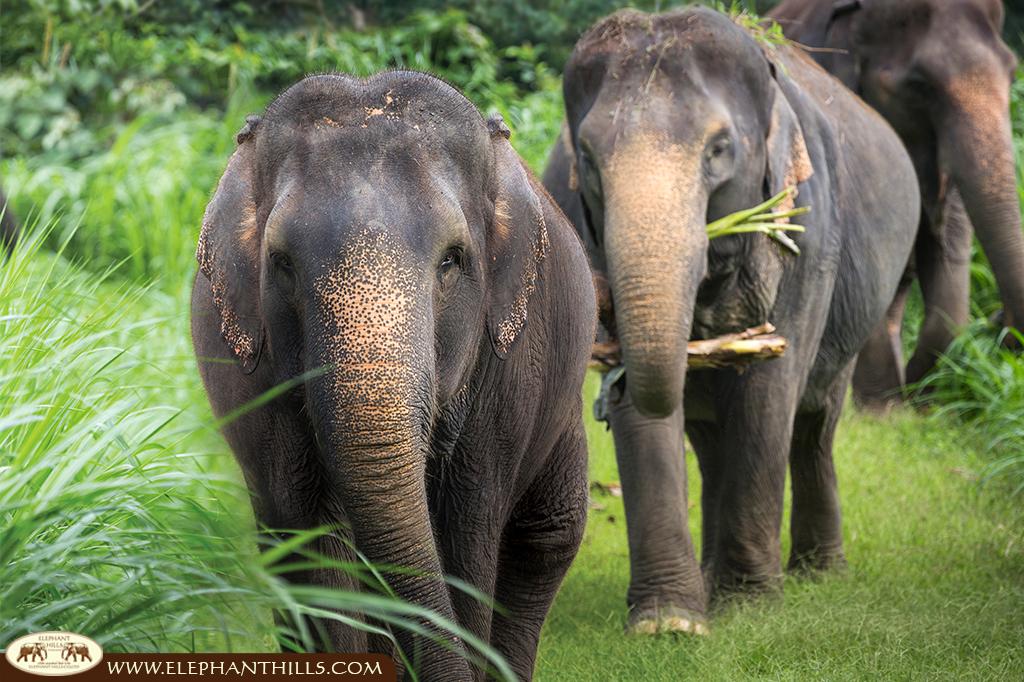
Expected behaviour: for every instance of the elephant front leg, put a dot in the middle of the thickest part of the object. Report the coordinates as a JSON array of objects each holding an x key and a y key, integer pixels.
[
  {"x": 538, "y": 546},
  {"x": 943, "y": 264},
  {"x": 666, "y": 589}
]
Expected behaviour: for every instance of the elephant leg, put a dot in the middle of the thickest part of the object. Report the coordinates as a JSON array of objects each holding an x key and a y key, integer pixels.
[
  {"x": 281, "y": 470},
  {"x": 666, "y": 589},
  {"x": 468, "y": 533},
  {"x": 815, "y": 522},
  {"x": 706, "y": 440},
  {"x": 753, "y": 451},
  {"x": 537, "y": 548},
  {"x": 943, "y": 265},
  {"x": 879, "y": 379}
]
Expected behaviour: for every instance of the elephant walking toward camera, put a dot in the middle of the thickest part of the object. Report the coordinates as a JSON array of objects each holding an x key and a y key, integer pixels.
[
  {"x": 674, "y": 120},
  {"x": 940, "y": 73},
  {"x": 380, "y": 246}
]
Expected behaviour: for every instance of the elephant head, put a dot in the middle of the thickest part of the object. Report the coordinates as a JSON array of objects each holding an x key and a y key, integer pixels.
[
  {"x": 676, "y": 119},
  {"x": 939, "y": 71},
  {"x": 379, "y": 234}
]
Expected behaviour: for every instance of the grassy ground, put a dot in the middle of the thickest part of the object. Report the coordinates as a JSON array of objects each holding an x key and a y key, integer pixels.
[{"x": 934, "y": 590}]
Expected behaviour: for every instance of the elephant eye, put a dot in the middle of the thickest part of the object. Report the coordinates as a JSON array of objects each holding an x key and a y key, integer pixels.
[
  {"x": 284, "y": 271},
  {"x": 719, "y": 157},
  {"x": 450, "y": 265},
  {"x": 718, "y": 148},
  {"x": 588, "y": 172}
]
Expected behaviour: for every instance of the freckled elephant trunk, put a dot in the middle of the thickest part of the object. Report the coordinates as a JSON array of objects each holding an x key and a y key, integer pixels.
[
  {"x": 372, "y": 410},
  {"x": 977, "y": 143},
  {"x": 656, "y": 247}
]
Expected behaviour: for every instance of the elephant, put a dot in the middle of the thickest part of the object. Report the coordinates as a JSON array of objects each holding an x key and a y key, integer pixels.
[
  {"x": 378, "y": 252},
  {"x": 74, "y": 651},
  {"x": 940, "y": 73},
  {"x": 32, "y": 650},
  {"x": 673, "y": 120}
]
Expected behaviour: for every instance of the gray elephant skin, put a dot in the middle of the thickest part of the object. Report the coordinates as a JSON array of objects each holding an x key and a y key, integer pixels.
[
  {"x": 382, "y": 236},
  {"x": 674, "y": 120},
  {"x": 940, "y": 73}
]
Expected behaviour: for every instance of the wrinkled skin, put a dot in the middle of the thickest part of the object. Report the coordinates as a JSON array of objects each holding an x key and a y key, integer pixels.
[
  {"x": 940, "y": 73},
  {"x": 379, "y": 234},
  {"x": 681, "y": 118}
]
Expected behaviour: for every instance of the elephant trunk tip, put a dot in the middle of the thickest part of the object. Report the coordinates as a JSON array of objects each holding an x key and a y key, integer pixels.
[{"x": 656, "y": 402}]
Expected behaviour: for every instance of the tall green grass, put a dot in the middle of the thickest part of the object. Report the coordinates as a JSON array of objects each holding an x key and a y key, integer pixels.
[
  {"x": 137, "y": 204},
  {"x": 979, "y": 382},
  {"x": 115, "y": 517}
]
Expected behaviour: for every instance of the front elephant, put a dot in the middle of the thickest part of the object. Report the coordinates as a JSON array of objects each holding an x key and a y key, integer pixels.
[
  {"x": 378, "y": 245},
  {"x": 940, "y": 73},
  {"x": 674, "y": 120}
]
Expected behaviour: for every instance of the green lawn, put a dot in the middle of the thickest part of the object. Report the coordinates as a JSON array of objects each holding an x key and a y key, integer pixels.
[{"x": 934, "y": 589}]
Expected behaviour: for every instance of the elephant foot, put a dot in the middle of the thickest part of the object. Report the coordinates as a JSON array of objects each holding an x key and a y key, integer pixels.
[
  {"x": 814, "y": 562},
  {"x": 656, "y": 620},
  {"x": 877, "y": 403},
  {"x": 1010, "y": 341},
  {"x": 743, "y": 587}
]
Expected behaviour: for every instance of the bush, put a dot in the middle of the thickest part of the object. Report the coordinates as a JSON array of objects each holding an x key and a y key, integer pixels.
[
  {"x": 91, "y": 76},
  {"x": 980, "y": 383},
  {"x": 112, "y": 132}
]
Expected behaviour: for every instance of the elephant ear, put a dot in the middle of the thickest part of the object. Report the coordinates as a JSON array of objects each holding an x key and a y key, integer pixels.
[
  {"x": 228, "y": 253},
  {"x": 517, "y": 242},
  {"x": 840, "y": 60},
  {"x": 788, "y": 162}
]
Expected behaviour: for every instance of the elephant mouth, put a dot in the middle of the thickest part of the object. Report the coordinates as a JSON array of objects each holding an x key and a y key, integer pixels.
[{"x": 739, "y": 297}]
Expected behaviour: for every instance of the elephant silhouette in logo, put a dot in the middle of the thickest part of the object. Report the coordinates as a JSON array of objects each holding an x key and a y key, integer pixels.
[
  {"x": 73, "y": 651},
  {"x": 32, "y": 650}
]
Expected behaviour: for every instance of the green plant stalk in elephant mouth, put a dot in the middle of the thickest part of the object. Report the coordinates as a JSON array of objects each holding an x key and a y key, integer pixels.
[{"x": 762, "y": 219}]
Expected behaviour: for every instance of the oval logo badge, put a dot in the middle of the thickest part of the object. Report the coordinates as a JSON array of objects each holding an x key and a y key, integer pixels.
[{"x": 54, "y": 653}]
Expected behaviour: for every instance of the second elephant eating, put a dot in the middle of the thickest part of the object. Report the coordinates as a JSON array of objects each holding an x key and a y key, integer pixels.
[{"x": 679, "y": 118}]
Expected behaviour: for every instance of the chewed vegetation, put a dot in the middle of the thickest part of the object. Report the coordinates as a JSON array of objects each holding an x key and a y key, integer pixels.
[{"x": 122, "y": 513}]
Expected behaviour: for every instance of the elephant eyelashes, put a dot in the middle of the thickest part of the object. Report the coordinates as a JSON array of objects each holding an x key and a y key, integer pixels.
[{"x": 449, "y": 267}]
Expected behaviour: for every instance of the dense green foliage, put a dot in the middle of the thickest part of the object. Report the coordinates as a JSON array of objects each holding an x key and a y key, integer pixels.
[
  {"x": 121, "y": 510},
  {"x": 140, "y": 126}
]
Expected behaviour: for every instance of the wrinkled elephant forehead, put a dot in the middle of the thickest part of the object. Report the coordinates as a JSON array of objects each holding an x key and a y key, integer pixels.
[
  {"x": 402, "y": 196},
  {"x": 632, "y": 36},
  {"x": 407, "y": 105}
]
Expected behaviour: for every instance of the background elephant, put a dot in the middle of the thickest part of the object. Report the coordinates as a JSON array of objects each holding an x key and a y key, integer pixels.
[
  {"x": 381, "y": 230},
  {"x": 674, "y": 120},
  {"x": 940, "y": 73}
]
